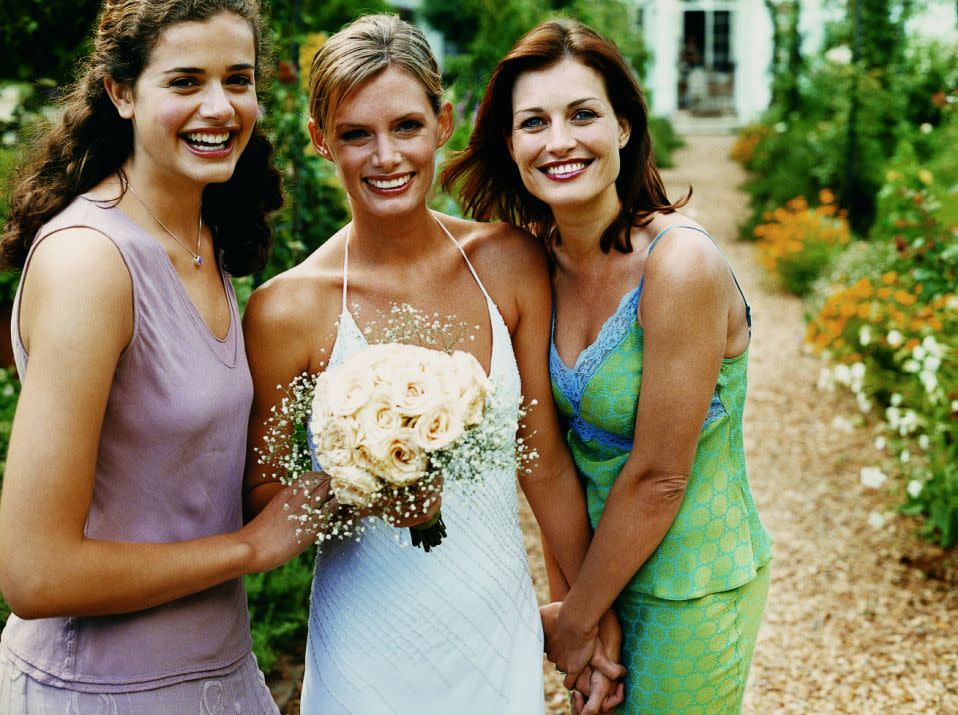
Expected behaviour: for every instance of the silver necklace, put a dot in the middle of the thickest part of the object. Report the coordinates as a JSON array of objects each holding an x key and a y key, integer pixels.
[{"x": 197, "y": 258}]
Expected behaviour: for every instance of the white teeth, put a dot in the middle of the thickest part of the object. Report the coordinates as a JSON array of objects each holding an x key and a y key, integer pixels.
[
  {"x": 212, "y": 141},
  {"x": 390, "y": 183},
  {"x": 565, "y": 168}
]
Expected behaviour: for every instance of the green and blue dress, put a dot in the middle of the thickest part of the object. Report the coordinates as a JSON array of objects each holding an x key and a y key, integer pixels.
[{"x": 690, "y": 615}]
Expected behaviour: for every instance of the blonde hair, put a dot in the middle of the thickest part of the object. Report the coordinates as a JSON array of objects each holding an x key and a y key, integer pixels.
[{"x": 361, "y": 50}]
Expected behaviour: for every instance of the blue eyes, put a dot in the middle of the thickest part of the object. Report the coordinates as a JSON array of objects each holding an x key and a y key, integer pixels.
[
  {"x": 407, "y": 126},
  {"x": 579, "y": 116}
]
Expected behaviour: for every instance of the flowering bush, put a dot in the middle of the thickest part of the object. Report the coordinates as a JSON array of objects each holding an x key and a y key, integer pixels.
[{"x": 797, "y": 242}]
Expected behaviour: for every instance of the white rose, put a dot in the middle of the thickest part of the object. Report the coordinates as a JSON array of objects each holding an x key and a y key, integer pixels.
[
  {"x": 348, "y": 388},
  {"x": 353, "y": 486},
  {"x": 474, "y": 386},
  {"x": 413, "y": 391},
  {"x": 404, "y": 462},
  {"x": 438, "y": 427},
  {"x": 377, "y": 418},
  {"x": 336, "y": 442}
]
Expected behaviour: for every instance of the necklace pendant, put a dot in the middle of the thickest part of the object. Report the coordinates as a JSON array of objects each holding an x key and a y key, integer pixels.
[{"x": 197, "y": 261}]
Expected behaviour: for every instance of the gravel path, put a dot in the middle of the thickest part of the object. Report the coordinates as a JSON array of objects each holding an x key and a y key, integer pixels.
[{"x": 859, "y": 620}]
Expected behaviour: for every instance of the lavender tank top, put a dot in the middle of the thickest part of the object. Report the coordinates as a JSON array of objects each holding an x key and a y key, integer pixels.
[{"x": 169, "y": 468}]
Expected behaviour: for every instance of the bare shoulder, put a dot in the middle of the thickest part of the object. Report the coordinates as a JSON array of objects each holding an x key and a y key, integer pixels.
[
  {"x": 300, "y": 295},
  {"x": 684, "y": 256},
  {"x": 500, "y": 247},
  {"x": 79, "y": 287}
]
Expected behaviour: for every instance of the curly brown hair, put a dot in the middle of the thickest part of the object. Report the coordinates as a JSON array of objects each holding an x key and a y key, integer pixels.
[
  {"x": 489, "y": 184},
  {"x": 89, "y": 140}
]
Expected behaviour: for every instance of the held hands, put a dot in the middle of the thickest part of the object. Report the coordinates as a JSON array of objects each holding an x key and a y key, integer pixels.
[{"x": 584, "y": 659}]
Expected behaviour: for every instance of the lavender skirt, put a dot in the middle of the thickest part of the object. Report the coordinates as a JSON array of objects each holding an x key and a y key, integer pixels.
[{"x": 241, "y": 692}]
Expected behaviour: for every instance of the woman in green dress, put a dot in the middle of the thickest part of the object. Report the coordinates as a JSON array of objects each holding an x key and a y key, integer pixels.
[{"x": 648, "y": 360}]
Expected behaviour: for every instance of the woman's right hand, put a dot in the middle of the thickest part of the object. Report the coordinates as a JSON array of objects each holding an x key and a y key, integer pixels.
[{"x": 275, "y": 534}]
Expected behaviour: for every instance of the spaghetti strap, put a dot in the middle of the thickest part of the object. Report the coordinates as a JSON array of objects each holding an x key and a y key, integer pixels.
[
  {"x": 461, "y": 251},
  {"x": 660, "y": 234},
  {"x": 345, "y": 269}
]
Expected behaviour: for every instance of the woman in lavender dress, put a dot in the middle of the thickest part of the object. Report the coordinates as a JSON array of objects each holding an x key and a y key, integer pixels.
[{"x": 121, "y": 516}]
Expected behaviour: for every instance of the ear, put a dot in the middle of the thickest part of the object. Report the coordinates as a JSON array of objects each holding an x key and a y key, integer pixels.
[
  {"x": 319, "y": 141},
  {"x": 446, "y": 123},
  {"x": 121, "y": 95},
  {"x": 625, "y": 131}
]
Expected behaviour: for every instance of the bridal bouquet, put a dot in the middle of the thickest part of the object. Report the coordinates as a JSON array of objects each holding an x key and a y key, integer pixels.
[{"x": 389, "y": 426}]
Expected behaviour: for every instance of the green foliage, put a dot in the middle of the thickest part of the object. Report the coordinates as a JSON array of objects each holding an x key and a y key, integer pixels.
[
  {"x": 9, "y": 391},
  {"x": 664, "y": 141},
  {"x": 43, "y": 38},
  {"x": 279, "y": 607},
  {"x": 8, "y": 279}
]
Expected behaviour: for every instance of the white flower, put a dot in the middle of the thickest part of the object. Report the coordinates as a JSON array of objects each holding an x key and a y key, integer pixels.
[
  {"x": 954, "y": 405},
  {"x": 825, "y": 380},
  {"x": 377, "y": 419},
  {"x": 932, "y": 346},
  {"x": 839, "y": 55},
  {"x": 914, "y": 488},
  {"x": 843, "y": 374},
  {"x": 864, "y": 335},
  {"x": 895, "y": 339},
  {"x": 353, "y": 486},
  {"x": 404, "y": 462},
  {"x": 864, "y": 404},
  {"x": 911, "y": 366},
  {"x": 895, "y": 399},
  {"x": 876, "y": 520},
  {"x": 926, "y": 128},
  {"x": 780, "y": 127},
  {"x": 924, "y": 442},
  {"x": 842, "y": 423},
  {"x": 347, "y": 389},
  {"x": 413, "y": 391},
  {"x": 880, "y": 442},
  {"x": 929, "y": 380},
  {"x": 438, "y": 427},
  {"x": 905, "y": 456},
  {"x": 872, "y": 477},
  {"x": 336, "y": 442}
]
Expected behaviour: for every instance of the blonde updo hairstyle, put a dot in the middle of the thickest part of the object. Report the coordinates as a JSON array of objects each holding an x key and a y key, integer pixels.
[{"x": 361, "y": 50}]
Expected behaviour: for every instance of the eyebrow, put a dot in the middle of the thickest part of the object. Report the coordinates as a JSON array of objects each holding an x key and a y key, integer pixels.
[
  {"x": 199, "y": 70},
  {"x": 342, "y": 126},
  {"x": 574, "y": 103}
]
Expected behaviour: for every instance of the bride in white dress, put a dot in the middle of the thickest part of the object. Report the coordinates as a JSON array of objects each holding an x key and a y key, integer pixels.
[{"x": 393, "y": 629}]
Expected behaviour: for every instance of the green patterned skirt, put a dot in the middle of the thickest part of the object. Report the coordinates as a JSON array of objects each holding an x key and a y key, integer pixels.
[{"x": 690, "y": 657}]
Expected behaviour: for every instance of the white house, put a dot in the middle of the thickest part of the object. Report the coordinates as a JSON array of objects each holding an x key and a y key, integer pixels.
[{"x": 713, "y": 57}]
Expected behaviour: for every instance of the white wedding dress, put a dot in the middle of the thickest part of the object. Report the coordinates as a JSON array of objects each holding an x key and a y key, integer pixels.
[{"x": 393, "y": 629}]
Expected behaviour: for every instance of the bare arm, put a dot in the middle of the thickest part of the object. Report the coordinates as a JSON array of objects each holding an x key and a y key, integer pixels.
[
  {"x": 551, "y": 486},
  {"x": 685, "y": 320},
  {"x": 277, "y": 351},
  {"x": 48, "y": 567}
]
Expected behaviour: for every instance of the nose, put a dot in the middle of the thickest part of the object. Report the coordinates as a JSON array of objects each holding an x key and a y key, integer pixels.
[
  {"x": 216, "y": 103},
  {"x": 386, "y": 153},
  {"x": 560, "y": 139}
]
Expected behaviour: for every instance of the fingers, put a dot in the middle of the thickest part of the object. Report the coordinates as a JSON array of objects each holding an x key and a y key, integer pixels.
[
  {"x": 578, "y": 702},
  {"x": 601, "y": 687},
  {"x": 613, "y": 671},
  {"x": 615, "y": 698}
]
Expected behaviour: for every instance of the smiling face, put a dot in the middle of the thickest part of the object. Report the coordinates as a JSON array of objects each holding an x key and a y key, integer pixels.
[
  {"x": 383, "y": 138},
  {"x": 565, "y": 136},
  {"x": 194, "y": 105}
]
